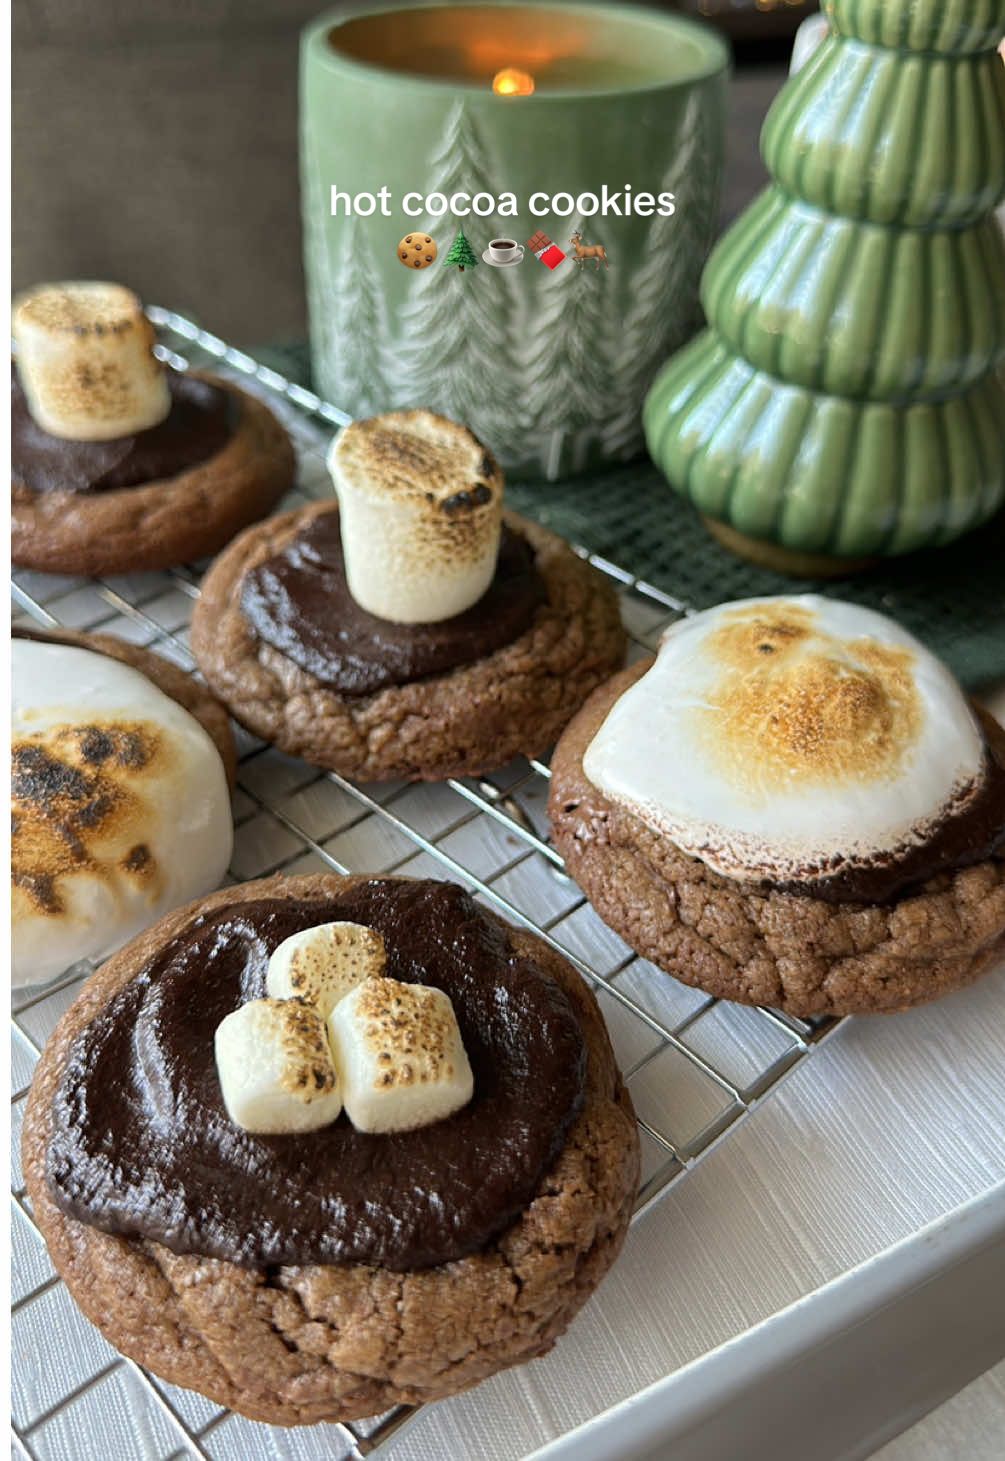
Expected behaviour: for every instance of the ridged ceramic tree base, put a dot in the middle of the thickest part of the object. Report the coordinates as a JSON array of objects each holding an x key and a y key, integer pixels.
[
  {"x": 783, "y": 560},
  {"x": 824, "y": 474}
]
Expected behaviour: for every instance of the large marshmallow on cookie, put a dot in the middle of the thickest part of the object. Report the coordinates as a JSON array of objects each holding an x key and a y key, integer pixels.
[
  {"x": 121, "y": 809},
  {"x": 86, "y": 361},
  {"x": 420, "y": 509},
  {"x": 782, "y": 738}
]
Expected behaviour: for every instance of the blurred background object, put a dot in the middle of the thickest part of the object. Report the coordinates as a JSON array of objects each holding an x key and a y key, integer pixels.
[
  {"x": 751, "y": 20},
  {"x": 808, "y": 37},
  {"x": 155, "y": 142}
]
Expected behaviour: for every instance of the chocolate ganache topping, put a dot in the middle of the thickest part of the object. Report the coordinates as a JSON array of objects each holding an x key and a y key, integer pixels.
[
  {"x": 199, "y": 424},
  {"x": 299, "y": 602},
  {"x": 142, "y": 1144}
]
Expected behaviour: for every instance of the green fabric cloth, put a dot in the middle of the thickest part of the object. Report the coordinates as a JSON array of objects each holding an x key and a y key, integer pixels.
[{"x": 953, "y": 600}]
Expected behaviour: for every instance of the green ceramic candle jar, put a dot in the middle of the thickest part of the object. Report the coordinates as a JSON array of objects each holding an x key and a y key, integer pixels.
[
  {"x": 399, "y": 116},
  {"x": 847, "y": 399}
]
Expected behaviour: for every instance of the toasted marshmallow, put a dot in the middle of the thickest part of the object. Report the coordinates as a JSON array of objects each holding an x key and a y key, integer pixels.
[
  {"x": 275, "y": 1068},
  {"x": 420, "y": 508},
  {"x": 323, "y": 964},
  {"x": 785, "y": 738},
  {"x": 85, "y": 358},
  {"x": 120, "y": 807},
  {"x": 399, "y": 1053}
]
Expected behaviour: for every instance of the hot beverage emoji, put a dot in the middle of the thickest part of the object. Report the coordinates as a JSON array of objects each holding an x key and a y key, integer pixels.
[{"x": 502, "y": 253}]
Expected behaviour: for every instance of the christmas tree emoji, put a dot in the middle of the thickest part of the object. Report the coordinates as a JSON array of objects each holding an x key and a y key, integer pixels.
[
  {"x": 461, "y": 253},
  {"x": 845, "y": 401}
]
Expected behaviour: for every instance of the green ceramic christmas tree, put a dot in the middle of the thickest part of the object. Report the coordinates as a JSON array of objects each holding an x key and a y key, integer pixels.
[{"x": 847, "y": 400}]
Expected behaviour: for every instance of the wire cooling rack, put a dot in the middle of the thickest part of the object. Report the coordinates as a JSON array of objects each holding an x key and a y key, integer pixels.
[{"x": 695, "y": 1066}]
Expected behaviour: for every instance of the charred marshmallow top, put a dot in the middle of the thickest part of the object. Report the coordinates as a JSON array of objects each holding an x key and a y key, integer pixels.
[
  {"x": 86, "y": 361},
  {"x": 120, "y": 806},
  {"x": 780, "y": 738},
  {"x": 392, "y": 1052},
  {"x": 420, "y": 500}
]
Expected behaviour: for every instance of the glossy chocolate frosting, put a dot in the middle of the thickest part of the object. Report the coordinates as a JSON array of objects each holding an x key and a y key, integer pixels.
[
  {"x": 142, "y": 1144},
  {"x": 199, "y": 424},
  {"x": 299, "y": 602}
]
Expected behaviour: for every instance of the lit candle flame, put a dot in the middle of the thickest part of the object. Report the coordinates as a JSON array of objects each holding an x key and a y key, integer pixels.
[{"x": 511, "y": 82}]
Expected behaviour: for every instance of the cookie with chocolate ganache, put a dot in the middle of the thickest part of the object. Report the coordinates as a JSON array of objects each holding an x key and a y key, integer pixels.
[
  {"x": 121, "y": 765},
  {"x": 793, "y": 805},
  {"x": 284, "y": 1151},
  {"x": 120, "y": 463},
  {"x": 412, "y": 628}
]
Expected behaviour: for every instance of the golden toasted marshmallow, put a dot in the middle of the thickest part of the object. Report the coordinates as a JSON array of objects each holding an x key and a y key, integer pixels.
[
  {"x": 420, "y": 503},
  {"x": 325, "y": 963},
  {"x": 275, "y": 1068},
  {"x": 784, "y": 738},
  {"x": 85, "y": 358},
  {"x": 398, "y": 1050},
  {"x": 120, "y": 807}
]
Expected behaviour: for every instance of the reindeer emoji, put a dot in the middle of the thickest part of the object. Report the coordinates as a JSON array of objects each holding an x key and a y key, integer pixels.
[{"x": 588, "y": 251}]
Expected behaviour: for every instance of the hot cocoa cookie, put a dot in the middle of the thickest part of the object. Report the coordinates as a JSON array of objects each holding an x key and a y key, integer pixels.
[
  {"x": 118, "y": 462},
  {"x": 823, "y": 828},
  {"x": 329, "y": 1273},
  {"x": 120, "y": 769},
  {"x": 416, "y": 631}
]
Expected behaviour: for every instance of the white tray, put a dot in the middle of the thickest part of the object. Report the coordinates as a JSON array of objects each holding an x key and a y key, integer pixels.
[
  {"x": 929, "y": 1301},
  {"x": 696, "y": 1068}
]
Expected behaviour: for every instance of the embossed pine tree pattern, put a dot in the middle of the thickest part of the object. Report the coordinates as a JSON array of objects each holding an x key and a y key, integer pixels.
[
  {"x": 676, "y": 249},
  {"x": 355, "y": 349},
  {"x": 319, "y": 281},
  {"x": 456, "y": 327},
  {"x": 564, "y": 372}
]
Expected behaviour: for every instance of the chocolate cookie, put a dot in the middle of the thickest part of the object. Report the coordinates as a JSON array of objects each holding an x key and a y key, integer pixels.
[
  {"x": 221, "y": 460},
  {"x": 301, "y": 1342},
  {"x": 514, "y": 700},
  {"x": 807, "y": 955}
]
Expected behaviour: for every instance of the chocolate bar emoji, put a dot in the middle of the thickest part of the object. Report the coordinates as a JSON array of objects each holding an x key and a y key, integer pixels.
[{"x": 543, "y": 248}]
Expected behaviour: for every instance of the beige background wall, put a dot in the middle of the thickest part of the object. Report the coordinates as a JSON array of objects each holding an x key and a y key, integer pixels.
[{"x": 154, "y": 141}]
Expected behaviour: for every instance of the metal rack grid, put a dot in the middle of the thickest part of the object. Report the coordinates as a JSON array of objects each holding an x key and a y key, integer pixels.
[{"x": 695, "y": 1066}]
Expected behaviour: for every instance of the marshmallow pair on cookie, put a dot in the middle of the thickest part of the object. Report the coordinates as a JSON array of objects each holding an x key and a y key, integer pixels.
[
  {"x": 779, "y": 738},
  {"x": 335, "y": 1031},
  {"x": 86, "y": 361},
  {"x": 418, "y": 546},
  {"x": 121, "y": 809}
]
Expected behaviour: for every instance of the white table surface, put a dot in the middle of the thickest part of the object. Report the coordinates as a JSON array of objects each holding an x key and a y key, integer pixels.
[
  {"x": 895, "y": 1122},
  {"x": 970, "y": 1425}
]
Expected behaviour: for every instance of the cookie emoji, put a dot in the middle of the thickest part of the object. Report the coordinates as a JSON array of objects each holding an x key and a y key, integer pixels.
[
  {"x": 417, "y": 250},
  {"x": 118, "y": 462},
  {"x": 313, "y": 1231},
  {"x": 119, "y": 786},
  {"x": 412, "y": 629},
  {"x": 793, "y": 805}
]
